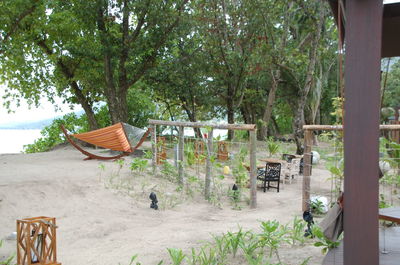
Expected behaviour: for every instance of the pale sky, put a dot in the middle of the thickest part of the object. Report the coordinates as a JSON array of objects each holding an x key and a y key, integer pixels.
[
  {"x": 25, "y": 114},
  {"x": 390, "y": 1}
]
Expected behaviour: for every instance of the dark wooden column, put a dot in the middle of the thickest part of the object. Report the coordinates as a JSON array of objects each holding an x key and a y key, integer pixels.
[{"x": 361, "y": 131}]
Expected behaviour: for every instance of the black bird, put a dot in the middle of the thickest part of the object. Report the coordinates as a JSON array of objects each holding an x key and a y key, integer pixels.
[{"x": 154, "y": 201}]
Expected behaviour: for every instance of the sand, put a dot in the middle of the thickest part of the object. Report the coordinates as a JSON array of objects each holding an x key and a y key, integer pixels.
[{"x": 101, "y": 221}]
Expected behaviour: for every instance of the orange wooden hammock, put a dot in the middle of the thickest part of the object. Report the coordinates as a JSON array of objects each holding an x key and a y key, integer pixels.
[{"x": 118, "y": 137}]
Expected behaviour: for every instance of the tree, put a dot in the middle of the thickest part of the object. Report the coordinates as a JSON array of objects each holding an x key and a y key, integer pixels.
[
  {"x": 89, "y": 50},
  {"x": 229, "y": 33}
]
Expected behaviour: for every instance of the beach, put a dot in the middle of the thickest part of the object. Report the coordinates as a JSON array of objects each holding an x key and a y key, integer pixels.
[{"x": 103, "y": 212}]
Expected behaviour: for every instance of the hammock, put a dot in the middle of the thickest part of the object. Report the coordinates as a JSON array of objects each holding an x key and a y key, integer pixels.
[{"x": 118, "y": 137}]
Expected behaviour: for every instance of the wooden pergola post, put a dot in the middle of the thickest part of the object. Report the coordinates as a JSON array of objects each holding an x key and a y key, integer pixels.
[
  {"x": 361, "y": 131},
  {"x": 180, "y": 154},
  {"x": 154, "y": 147},
  {"x": 308, "y": 139},
  {"x": 253, "y": 169},
  {"x": 207, "y": 186}
]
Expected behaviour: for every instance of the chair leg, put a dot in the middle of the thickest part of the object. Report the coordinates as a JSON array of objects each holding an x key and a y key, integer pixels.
[
  {"x": 265, "y": 185},
  {"x": 279, "y": 181}
]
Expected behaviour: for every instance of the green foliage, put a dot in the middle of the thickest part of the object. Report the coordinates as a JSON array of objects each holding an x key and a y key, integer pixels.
[
  {"x": 176, "y": 255},
  {"x": 272, "y": 235},
  {"x": 273, "y": 146},
  {"x": 383, "y": 202},
  {"x": 296, "y": 231},
  {"x": 169, "y": 172},
  {"x": 239, "y": 170},
  {"x": 317, "y": 207},
  {"x": 138, "y": 164},
  {"x": 247, "y": 245},
  {"x": 190, "y": 158},
  {"x": 322, "y": 241},
  {"x": 337, "y": 103},
  {"x": 52, "y": 135}
]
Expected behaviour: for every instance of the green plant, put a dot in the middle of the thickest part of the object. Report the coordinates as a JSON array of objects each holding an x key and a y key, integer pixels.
[
  {"x": 207, "y": 257},
  {"x": 222, "y": 248},
  {"x": 382, "y": 202},
  {"x": 250, "y": 244},
  {"x": 272, "y": 235},
  {"x": 176, "y": 255},
  {"x": 193, "y": 259},
  {"x": 322, "y": 241},
  {"x": 317, "y": 207},
  {"x": 138, "y": 164},
  {"x": 235, "y": 240},
  {"x": 273, "y": 146},
  {"x": 189, "y": 154},
  {"x": 102, "y": 168},
  {"x": 148, "y": 154},
  {"x": 296, "y": 232},
  {"x": 169, "y": 172}
]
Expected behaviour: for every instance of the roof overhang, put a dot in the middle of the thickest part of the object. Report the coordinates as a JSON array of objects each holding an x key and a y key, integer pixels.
[{"x": 390, "y": 25}]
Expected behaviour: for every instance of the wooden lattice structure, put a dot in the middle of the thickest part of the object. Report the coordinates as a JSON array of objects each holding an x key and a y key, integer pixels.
[
  {"x": 251, "y": 128},
  {"x": 395, "y": 135},
  {"x": 223, "y": 154},
  {"x": 36, "y": 241},
  {"x": 161, "y": 150},
  {"x": 199, "y": 152}
]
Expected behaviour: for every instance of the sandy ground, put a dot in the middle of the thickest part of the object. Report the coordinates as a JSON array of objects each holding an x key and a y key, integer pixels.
[{"x": 103, "y": 222}]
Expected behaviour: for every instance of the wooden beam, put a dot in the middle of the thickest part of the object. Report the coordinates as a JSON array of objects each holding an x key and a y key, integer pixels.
[
  {"x": 361, "y": 131},
  {"x": 180, "y": 154},
  {"x": 253, "y": 169},
  {"x": 207, "y": 186},
  {"x": 154, "y": 147},
  {"x": 308, "y": 138},
  {"x": 247, "y": 127},
  {"x": 382, "y": 127}
]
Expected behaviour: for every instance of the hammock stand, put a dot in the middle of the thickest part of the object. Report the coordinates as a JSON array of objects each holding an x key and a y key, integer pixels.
[{"x": 90, "y": 156}]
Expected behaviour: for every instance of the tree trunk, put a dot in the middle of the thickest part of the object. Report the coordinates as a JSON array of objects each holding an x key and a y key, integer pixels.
[
  {"x": 231, "y": 116},
  {"x": 192, "y": 117},
  {"x": 270, "y": 103},
  {"x": 118, "y": 106},
  {"x": 86, "y": 105},
  {"x": 298, "y": 120}
]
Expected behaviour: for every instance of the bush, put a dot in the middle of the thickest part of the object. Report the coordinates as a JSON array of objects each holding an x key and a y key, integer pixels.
[{"x": 52, "y": 135}]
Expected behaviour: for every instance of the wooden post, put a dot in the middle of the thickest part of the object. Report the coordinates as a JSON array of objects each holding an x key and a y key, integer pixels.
[
  {"x": 308, "y": 138},
  {"x": 207, "y": 186},
  {"x": 253, "y": 169},
  {"x": 361, "y": 131},
  {"x": 154, "y": 147},
  {"x": 180, "y": 154}
]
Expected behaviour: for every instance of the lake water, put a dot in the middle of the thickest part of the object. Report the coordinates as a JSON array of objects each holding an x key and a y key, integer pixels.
[{"x": 12, "y": 141}]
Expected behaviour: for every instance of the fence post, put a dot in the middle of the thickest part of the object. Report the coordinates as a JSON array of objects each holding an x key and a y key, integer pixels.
[
  {"x": 308, "y": 137},
  {"x": 154, "y": 147},
  {"x": 180, "y": 154},
  {"x": 207, "y": 186},
  {"x": 253, "y": 169}
]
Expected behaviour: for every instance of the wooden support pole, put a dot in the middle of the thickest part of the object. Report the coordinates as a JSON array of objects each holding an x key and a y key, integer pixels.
[
  {"x": 180, "y": 154},
  {"x": 308, "y": 139},
  {"x": 253, "y": 169},
  {"x": 382, "y": 127},
  {"x": 154, "y": 147},
  {"x": 210, "y": 152},
  {"x": 204, "y": 124},
  {"x": 361, "y": 131}
]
